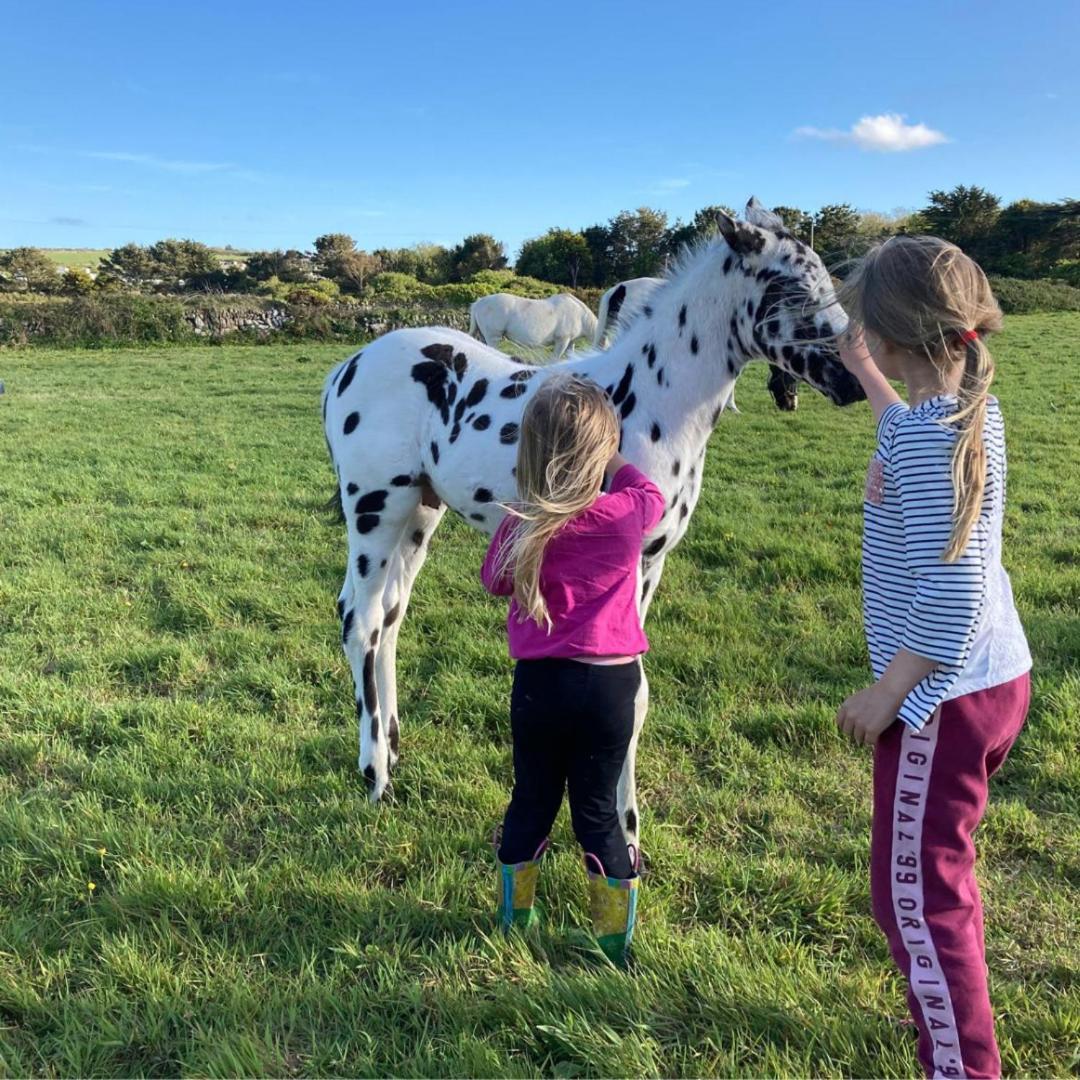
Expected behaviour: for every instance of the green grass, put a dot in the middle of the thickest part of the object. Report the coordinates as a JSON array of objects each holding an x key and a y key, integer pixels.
[
  {"x": 176, "y": 728},
  {"x": 86, "y": 258}
]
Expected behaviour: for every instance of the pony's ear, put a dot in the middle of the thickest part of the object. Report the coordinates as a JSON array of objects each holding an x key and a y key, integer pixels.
[
  {"x": 758, "y": 215},
  {"x": 742, "y": 239}
]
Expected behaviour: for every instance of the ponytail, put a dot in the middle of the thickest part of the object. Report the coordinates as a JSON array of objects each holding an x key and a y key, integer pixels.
[{"x": 969, "y": 453}]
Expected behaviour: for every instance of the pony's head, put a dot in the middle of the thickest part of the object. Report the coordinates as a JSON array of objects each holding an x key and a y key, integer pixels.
[{"x": 789, "y": 313}]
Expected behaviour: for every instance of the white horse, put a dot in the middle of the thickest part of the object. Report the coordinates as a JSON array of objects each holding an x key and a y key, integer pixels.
[
  {"x": 423, "y": 419},
  {"x": 620, "y": 304},
  {"x": 558, "y": 320}
]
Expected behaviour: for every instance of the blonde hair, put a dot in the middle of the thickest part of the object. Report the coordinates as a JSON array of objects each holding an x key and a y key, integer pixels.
[
  {"x": 924, "y": 295},
  {"x": 569, "y": 432}
]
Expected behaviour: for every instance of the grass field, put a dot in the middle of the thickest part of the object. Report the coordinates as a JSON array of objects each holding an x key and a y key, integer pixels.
[
  {"x": 88, "y": 258},
  {"x": 192, "y": 881}
]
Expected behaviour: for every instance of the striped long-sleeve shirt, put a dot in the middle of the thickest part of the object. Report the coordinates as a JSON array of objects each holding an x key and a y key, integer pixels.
[{"x": 959, "y": 614}]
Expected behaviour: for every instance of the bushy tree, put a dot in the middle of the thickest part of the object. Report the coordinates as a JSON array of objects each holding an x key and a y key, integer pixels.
[
  {"x": 796, "y": 221},
  {"x": 291, "y": 267},
  {"x": 559, "y": 256},
  {"x": 28, "y": 269},
  {"x": 966, "y": 216},
  {"x": 477, "y": 252},
  {"x": 638, "y": 243},
  {"x": 429, "y": 263},
  {"x": 185, "y": 264},
  {"x": 836, "y": 231},
  {"x": 337, "y": 258},
  {"x": 76, "y": 282}
]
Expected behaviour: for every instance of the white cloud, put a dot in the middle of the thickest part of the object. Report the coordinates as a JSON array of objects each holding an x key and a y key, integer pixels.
[
  {"x": 673, "y": 183},
  {"x": 886, "y": 133},
  {"x": 161, "y": 163}
]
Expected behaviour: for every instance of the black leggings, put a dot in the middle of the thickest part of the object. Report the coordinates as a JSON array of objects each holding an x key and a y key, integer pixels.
[{"x": 572, "y": 723}]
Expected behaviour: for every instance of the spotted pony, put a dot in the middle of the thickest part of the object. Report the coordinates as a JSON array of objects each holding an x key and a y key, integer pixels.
[{"x": 422, "y": 420}]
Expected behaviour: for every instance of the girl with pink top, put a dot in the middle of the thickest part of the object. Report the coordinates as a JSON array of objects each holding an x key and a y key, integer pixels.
[{"x": 568, "y": 557}]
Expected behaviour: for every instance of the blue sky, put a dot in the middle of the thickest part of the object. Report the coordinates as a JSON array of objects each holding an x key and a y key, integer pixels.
[{"x": 264, "y": 125}]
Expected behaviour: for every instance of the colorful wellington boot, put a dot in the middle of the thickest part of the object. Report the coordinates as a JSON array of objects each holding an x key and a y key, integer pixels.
[
  {"x": 517, "y": 891},
  {"x": 614, "y": 905}
]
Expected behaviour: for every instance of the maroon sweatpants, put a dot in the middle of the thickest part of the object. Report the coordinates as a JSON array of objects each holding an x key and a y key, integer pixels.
[{"x": 929, "y": 797}]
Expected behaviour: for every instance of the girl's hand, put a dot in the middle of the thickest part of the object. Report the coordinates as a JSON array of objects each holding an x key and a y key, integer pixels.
[
  {"x": 615, "y": 464},
  {"x": 854, "y": 354},
  {"x": 865, "y": 715}
]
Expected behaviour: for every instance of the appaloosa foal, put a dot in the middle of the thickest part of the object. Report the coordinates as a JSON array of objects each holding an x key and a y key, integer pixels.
[{"x": 428, "y": 418}]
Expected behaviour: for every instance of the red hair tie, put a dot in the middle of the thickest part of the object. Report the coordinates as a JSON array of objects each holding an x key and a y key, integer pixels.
[{"x": 969, "y": 335}]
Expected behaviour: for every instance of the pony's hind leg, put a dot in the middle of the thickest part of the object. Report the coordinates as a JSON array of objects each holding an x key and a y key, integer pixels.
[
  {"x": 404, "y": 567},
  {"x": 377, "y": 521},
  {"x": 626, "y": 794}
]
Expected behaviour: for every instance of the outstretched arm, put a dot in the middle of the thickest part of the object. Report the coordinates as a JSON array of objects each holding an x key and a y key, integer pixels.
[{"x": 856, "y": 357}]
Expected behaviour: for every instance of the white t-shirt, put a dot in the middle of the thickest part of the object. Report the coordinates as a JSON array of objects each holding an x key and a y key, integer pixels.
[{"x": 960, "y": 614}]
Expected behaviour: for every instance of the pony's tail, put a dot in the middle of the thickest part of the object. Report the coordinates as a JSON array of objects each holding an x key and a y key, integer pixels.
[
  {"x": 334, "y": 507},
  {"x": 474, "y": 330}
]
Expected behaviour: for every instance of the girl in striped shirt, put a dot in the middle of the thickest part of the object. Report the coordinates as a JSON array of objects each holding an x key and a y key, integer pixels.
[{"x": 947, "y": 649}]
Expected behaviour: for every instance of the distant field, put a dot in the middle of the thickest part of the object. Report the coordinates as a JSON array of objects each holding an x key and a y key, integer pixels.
[
  {"x": 88, "y": 258},
  {"x": 191, "y": 878}
]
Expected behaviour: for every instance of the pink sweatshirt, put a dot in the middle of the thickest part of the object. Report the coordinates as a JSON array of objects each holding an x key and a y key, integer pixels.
[{"x": 588, "y": 576}]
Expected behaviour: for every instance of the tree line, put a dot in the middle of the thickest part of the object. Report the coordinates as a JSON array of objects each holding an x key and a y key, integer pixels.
[{"x": 1025, "y": 239}]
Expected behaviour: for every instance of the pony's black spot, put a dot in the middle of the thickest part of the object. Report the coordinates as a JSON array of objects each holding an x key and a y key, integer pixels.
[
  {"x": 515, "y": 389},
  {"x": 694, "y": 344},
  {"x": 631, "y": 820},
  {"x": 645, "y": 588},
  {"x": 683, "y": 511},
  {"x": 351, "y": 488},
  {"x": 647, "y": 311},
  {"x": 482, "y": 423},
  {"x": 418, "y": 537},
  {"x": 435, "y": 452},
  {"x": 441, "y": 354},
  {"x": 477, "y": 517},
  {"x": 482, "y": 495},
  {"x": 375, "y": 727},
  {"x": 624, "y": 385},
  {"x": 659, "y": 376},
  {"x": 787, "y": 352},
  {"x": 347, "y": 378},
  {"x": 362, "y": 565},
  {"x": 655, "y": 547},
  {"x": 627, "y": 406},
  {"x": 347, "y": 625},
  {"x": 682, "y": 316},
  {"x": 616, "y": 301},
  {"x": 825, "y": 329},
  {"x": 402, "y": 480},
  {"x": 750, "y": 308},
  {"x": 366, "y": 522},
  {"x": 655, "y": 433},
  {"x": 521, "y": 376},
  {"x": 432, "y": 376},
  {"x": 675, "y": 466},
  {"x": 455, "y": 431},
  {"x": 459, "y": 411},
  {"x": 652, "y": 353},
  {"x": 727, "y": 264},
  {"x": 477, "y": 393},
  {"x": 773, "y": 327},
  {"x": 391, "y": 615},
  {"x": 374, "y": 637},
  {"x": 350, "y": 422},
  {"x": 451, "y": 394},
  {"x": 461, "y": 362},
  {"x": 371, "y": 700},
  {"x": 371, "y": 503},
  {"x": 508, "y": 434},
  {"x": 369, "y": 775},
  {"x": 730, "y": 366},
  {"x": 394, "y": 735}
]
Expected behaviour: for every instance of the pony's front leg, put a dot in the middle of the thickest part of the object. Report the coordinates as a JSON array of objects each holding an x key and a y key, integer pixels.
[
  {"x": 561, "y": 345},
  {"x": 626, "y": 796},
  {"x": 629, "y": 818}
]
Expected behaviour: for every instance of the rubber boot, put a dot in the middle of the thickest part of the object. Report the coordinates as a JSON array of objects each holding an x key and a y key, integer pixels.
[
  {"x": 613, "y": 902},
  {"x": 517, "y": 891}
]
